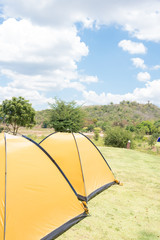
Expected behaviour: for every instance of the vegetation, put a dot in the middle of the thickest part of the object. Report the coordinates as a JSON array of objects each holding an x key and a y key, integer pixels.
[
  {"x": 141, "y": 122},
  {"x": 42, "y": 117},
  {"x": 118, "y": 137},
  {"x": 96, "y": 133},
  {"x": 126, "y": 114},
  {"x": 128, "y": 212},
  {"x": 66, "y": 116},
  {"x": 16, "y": 113}
]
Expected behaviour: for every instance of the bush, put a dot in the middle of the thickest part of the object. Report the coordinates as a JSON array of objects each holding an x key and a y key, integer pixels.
[
  {"x": 118, "y": 137},
  {"x": 84, "y": 129},
  {"x": 96, "y": 133},
  {"x": 96, "y": 136},
  {"x": 153, "y": 139},
  {"x": 45, "y": 124},
  {"x": 90, "y": 128}
]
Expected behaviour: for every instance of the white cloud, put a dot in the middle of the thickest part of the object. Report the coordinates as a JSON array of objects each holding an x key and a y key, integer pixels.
[
  {"x": 138, "y": 63},
  {"x": 41, "y": 58},
  {"x": 132, "y": 47},
  {"x": 156, "y": 67},
  {"x": 139, "y": 18},
  {"x": 40, "y": 51},
  {"x": 150, "y": 92},
  {"x": 40, "y": 45},
  {"x": 39, "y": 101},
  {"x": 56, "y": 81},
  {"x": 89, "y": 79},
  {"x": 143, "y": 76}
]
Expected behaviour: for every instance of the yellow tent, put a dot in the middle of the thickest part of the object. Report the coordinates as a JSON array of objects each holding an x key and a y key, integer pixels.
[
  {"x": 36, "y": 199},
  {"x": 81, "y": 162}
]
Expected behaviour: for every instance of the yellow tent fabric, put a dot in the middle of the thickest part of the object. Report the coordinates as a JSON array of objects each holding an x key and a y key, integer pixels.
[
  {"x": 36, "y": 199},
  {"x": 81, "y": 161}
]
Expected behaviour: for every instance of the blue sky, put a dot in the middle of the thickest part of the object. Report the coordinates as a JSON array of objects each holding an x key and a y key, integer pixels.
[{"x": 93, "y": 52}]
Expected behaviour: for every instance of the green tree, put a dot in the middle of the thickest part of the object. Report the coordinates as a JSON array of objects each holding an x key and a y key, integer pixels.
[
  {"x": 16, "y": 113},
  {"x": 66, "y": 116},
  {"x": 157, "y": 126},
  {"x": 147, "y": 126}
]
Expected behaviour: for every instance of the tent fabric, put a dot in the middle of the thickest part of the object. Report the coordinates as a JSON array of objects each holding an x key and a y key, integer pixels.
[
  {"x": 36, "y": 200},
  {"x": 81, "y": 161}
]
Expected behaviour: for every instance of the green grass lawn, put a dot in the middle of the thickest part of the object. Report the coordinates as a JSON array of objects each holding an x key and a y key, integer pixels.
[{"x": 128, "y": 212}]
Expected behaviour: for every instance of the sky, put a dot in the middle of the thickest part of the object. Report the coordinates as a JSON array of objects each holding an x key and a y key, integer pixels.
[{"x": 90, "y": 51}]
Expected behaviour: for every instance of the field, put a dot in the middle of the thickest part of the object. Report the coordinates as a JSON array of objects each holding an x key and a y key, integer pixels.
[{"x": 128, "y": 212}]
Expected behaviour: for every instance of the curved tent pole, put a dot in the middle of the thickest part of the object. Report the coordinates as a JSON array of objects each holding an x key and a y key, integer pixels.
[
  {"x": 53, "y": 162},
  {"x": 81, "y": 168},
  {"x": 47, "y": 137}
]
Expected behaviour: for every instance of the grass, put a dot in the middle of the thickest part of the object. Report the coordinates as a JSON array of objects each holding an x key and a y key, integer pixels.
[
  {"x": 139, "y": 145},
  {"x": 130, "y": 212}
]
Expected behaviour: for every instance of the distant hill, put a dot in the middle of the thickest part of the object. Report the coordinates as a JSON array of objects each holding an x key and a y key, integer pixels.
[
  {"x": 122, "y": 114},
  {"x": 43, "y": 115}
]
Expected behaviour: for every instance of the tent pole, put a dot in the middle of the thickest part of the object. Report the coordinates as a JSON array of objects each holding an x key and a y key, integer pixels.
[
  {"x": 80, "y": 163},
  {"x": 5, "y": 186}
]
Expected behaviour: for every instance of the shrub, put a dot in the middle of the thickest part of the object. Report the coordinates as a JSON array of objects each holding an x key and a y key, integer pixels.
[
  {"x": 96, "y": 133},
  {"x": 84, "y": 129},
  {"x": 118, "y": 137},
  {"x": 151, "y": 141},
  {"x": 96, "y": 136},
  {"x": 90, "y": 128}
]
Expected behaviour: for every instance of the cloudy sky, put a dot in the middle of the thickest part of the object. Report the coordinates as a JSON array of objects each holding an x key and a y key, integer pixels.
[{"x": 91, "y": 51}]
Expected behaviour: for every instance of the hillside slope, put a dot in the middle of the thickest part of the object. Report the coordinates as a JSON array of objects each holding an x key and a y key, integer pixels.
[
  {"x": 124, "y": 113},
  {"x": 117, "y": 114}
]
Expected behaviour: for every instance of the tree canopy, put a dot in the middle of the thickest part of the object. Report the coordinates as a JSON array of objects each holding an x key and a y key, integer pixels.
[
  {"x": 66, "y": 116},
  {"x": 16, "y": 113}
]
